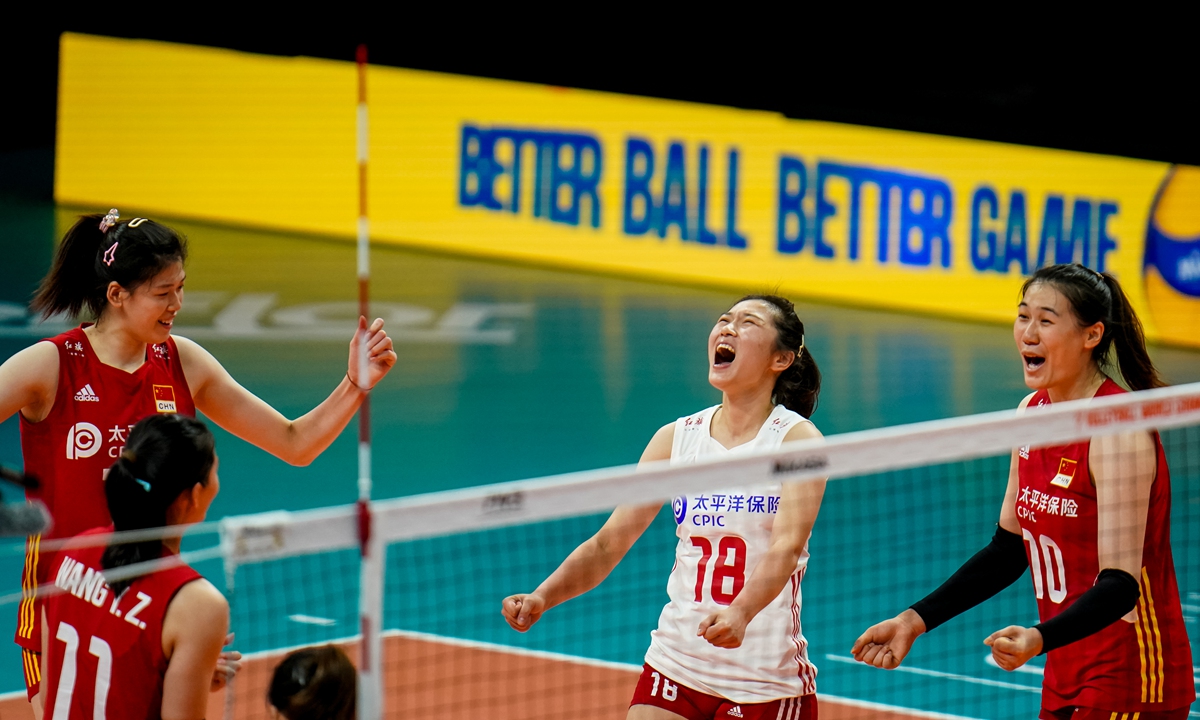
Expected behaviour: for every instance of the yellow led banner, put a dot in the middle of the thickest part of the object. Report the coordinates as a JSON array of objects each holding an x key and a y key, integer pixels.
[{"x": 671, "y": 190}]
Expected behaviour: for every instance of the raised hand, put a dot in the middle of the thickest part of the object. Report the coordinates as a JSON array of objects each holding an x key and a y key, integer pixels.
[
  {"x": 380, "y": 355},
  {"x": 1014, "y": 646},
  {"x": 522, "y": 611},
  {"x": 725, "y": 628},
  {"x": 886, "y": 644}
]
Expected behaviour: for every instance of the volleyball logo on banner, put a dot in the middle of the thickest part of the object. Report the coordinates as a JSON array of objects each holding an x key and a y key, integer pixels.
[{"x": 1172, "y": 259}]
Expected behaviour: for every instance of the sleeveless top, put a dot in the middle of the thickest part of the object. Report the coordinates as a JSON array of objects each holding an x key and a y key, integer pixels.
[
  {"x": 722, "y": 538},
  {"x": 70, "y": 451},
  {"x": 104, "y": 657},
  {"x": 1140, "y": 663}
]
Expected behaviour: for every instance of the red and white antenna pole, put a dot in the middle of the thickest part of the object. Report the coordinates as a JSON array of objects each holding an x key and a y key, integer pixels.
[{"x": 370, "y": 675}]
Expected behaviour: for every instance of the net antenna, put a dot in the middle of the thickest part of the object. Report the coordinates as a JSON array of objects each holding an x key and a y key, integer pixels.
[{"x": 370, "y": 678}]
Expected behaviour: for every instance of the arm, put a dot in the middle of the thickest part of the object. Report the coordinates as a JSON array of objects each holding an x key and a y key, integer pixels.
[
  {"x": 193, "y": 633},
  {"x": 989, "y": 571},
  {"x": 1123, "y": 468},
  {"x": 299, "y": 441},
  {"x": 798, "y": 507},
  {"x": 593, "y": 560},
  {"x": 29, "y": 382}
]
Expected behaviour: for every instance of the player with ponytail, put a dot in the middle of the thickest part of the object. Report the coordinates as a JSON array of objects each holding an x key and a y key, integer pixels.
[
  {"x": 79, "y": 393},
  {"x": 722, "y": 651},
  {"x": 155, "y": 635},
  {"x": 1111, "y": 617}
]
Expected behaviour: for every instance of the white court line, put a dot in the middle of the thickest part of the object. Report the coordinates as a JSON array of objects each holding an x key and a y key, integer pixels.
[
  {"x": 312, "y": 620},
  {"x": 944, "y": 675},
  {"x": 606, "y": 664}
]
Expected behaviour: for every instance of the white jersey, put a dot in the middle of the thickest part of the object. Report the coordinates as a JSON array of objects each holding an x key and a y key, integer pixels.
[{"x": 722, "y": 537}]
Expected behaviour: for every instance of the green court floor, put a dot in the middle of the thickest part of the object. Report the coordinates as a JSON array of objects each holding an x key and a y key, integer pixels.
[{"x": 508, "y": 372}]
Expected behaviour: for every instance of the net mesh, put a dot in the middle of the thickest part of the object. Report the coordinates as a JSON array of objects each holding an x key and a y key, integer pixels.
[
  {"x": 904, "y": 509},
  {"x": 884, "y": 538}
]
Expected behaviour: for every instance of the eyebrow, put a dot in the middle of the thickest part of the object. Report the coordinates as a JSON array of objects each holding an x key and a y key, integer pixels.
[{"x": 1047, "y": 309}]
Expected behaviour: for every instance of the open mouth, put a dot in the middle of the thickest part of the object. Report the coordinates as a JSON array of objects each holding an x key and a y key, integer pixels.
[
  {"x": 724, "y": 355},
  {"x": 1033, "y": 362},
  {"x": 167, "y": 323}
]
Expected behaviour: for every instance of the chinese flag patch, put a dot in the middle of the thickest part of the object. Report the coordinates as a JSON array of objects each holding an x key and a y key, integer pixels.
[
  {"x": 164, "y": 398},
  {"x": 1066, "y": 473}
]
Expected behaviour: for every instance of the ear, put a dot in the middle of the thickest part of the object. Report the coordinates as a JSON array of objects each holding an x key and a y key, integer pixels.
[
  {"x": 1092, "y": 335},
  {"x": 783, "y": 360},
  {"x": 116, "y": 294}
]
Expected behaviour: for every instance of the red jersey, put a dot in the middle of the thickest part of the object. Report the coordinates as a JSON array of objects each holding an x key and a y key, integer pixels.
[
  {"x": 1139, "y": 666},
  {"x": 104, "y": 657},
  {"x": 95, "y": 407}
]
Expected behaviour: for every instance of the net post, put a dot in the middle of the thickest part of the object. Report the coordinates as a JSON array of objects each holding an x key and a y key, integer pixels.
[{"x": 370, "y": 667}]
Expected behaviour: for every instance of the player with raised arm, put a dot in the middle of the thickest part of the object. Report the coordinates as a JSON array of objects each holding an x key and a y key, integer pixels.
[
  {"x": 728, "y": 644},
  {"x": 1091, "y": 519},
  {"x": 140, "y": 647},
  {"x": 78, "y": 394}
]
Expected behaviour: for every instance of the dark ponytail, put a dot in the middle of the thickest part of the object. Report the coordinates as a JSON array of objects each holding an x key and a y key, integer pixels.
[
  {"x": 87, "y": 262},
  {"x": 166, "y": 456},
  {"x": 314, "y": 684},
  {"x": 1098, "y": 297},
  {"x": 797, "y": 387}
]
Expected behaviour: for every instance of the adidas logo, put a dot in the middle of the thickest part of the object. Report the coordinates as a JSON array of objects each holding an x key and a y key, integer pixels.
[
  {"x": 736, "y": 711},
  {"x": 87, "y": 394}
]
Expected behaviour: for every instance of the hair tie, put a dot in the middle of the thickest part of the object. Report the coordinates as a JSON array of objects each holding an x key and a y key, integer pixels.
[
  {"x": 145, "y": 485},
  {"x": 109, "y": 220}
]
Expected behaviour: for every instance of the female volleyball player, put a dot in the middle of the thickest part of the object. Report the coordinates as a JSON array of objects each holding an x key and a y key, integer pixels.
[
  {"x": 141, "y": 647},
  {"x": 728, "y": 643},
  {"x": 317, "y": 683},
  {"x": 1094, "y": 518},
  {"x": 79, "y": 393}
]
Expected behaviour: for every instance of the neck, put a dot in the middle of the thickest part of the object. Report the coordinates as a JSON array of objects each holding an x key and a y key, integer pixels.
[
  {"x": 744, "y": 413},
  {"x": 116, "y": 346},
  {"x": 1082, "y": 387},
  {"x": 172, "y": 544}
]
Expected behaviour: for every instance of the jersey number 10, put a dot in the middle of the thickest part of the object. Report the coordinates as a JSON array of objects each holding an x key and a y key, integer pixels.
[
  {"x": 1055, "y": 569},
  {"x": 731, "y": 563}
]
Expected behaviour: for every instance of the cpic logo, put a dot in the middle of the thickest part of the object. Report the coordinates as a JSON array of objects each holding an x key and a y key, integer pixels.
[
  {"x": 83, "y": 441},
  {"x": 679, "y": 507}
]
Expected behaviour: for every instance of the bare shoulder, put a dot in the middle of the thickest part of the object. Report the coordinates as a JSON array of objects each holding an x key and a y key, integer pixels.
[
  {"x": 198, "y": 602},
  {"x": 802, "y": 431},
  {"x": 29, "y": 380},
  {"x": 659, "y": 447},
  {"x": 39, "y": 359},
  {"x": 190, "y": 350}
]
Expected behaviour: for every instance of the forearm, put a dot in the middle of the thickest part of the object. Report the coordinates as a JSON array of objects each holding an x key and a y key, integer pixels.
[
  {"x": 989, "y": 571},
  {"x": 1115, "y": 593},
  {"x": 309, "y": 435},
  {"x": 585, "y": 568},
  {"x": 769, "y": 578}
]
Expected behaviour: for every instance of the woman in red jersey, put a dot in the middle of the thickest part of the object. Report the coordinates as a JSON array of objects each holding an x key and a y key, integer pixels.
[
  {"x": 140, "y": 647},
  {"x": 78, "y": 394},
  {"x": 1092, "y": 520}
]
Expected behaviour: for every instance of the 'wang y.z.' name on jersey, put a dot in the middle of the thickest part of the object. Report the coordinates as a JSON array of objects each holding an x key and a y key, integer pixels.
[{"x": 88, "y": 585}]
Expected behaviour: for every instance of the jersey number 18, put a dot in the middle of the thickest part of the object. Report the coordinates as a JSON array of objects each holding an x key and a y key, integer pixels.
[{"x": 731, "y": 564}]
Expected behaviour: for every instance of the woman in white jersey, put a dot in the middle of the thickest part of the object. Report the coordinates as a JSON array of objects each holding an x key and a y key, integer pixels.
[{"x": 728, "y": 644}]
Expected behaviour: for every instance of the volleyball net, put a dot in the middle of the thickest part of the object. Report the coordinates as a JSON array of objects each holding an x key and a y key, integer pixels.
[{"x": 906, "y": 506}]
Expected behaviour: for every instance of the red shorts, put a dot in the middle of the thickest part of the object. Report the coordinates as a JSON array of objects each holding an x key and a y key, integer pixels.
[
  {"x": 1078, "y": 713},
  {"x": 658, "y": 690}
]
